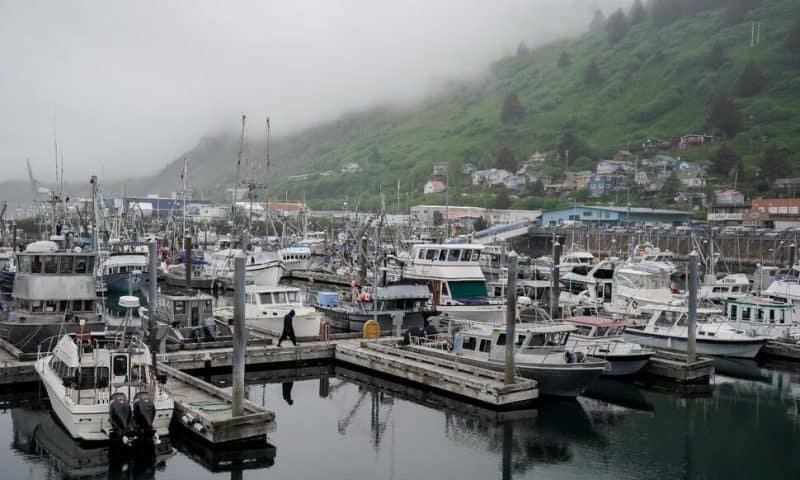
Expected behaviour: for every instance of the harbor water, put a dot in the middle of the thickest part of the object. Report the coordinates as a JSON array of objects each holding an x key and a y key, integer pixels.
[{"x": 336, "y": 422}]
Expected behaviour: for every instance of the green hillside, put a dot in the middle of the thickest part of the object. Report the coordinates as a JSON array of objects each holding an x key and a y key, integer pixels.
[{"x": 656, "y": 82}]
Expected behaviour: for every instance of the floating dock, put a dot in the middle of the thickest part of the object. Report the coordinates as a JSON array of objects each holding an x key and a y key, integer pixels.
[
  {"x": 788, "y": 349},
  {"x": 675, "y": 366},
  {"x": 476, "y": 384},
  {"x": 321, "y": 277},
  {"x": 206, "y": 410}
]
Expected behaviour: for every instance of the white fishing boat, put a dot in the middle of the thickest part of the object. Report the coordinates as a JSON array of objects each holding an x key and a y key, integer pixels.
[
  {"x": 603, "y": 338},
  {"x": 717, "y": 290},
  {"x": 575, "y": 259},
  {"x": 457, "y": 284},
  {"x": 540, "y": 353},
  {"x": 646, "y": 252},
  {"x": 296, "y": 257},
  {"x": 638, "y": 285},
  {"x": 265, "y": 307},
  {"x": 103, "y": 387},
  {"x": 124, "y": 268},
  {"x": 668, "y": 328},
  {"x": 588, "y": 286},
  {"x": 261, "y": 268}
]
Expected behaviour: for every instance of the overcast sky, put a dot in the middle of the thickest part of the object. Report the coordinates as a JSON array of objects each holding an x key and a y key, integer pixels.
[{"x": 131, "y": 85}]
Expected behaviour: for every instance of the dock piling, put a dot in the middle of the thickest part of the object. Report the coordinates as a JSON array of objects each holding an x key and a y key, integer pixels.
[
  {"x": 555, "y": 289},
  {"x": 187, "y": 247},
  {"x": 691, "y": 348},
  {"x": 511, "y": 317},
  {"x": 239, "y": 340}
]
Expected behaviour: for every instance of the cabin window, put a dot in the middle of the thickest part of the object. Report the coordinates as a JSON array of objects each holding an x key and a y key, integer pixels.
[
  {"x": 80, "y": 266},
  {"x": 422, "y": 253},
  {"x": 138, "y": 373},
  {"x": 601, "y": 332},
  {"x": 520, "y": 340},
  {"x": 432, "y": 254},
  {"x": 280, "y": 297},
  {"x": 486, "y": 345},
  {"x": 89, "y": 264},
  {"x": 759, "y": 314},
  {"x": 208, "y": 306},
  {"x": 266, "y": 298},
  {"x": 445, "y": 290},
  {"x": 180, "y": 307},
  {"x": 88, "y": 305},
  {"x": 36, "y": 306},
  {"x": 51, "y": 306},
  {"x": 86, "y": 378},
  {"x": 501, "y": 339},
  {"x": 454, "y": 255},
  {"x": 771, "y": 315},
  {"x": 120, "y": 366},
  {"x": 63, "y": 305},
  {"x": 666, "y": 319},
  {"x": 293, "y": 296},
  {"x": 101, "y": 376},
  {"x": 584, "y": 330},
  {"x": 498, "y": 291},
  {"x": 443, "y": 255},
  {"x": 734, "y": 312},
  {"x": 782, "y": 317},
  {"x": 50, "y": 264},
  {"x": 466, "y": 255},
  {"x": 468, "y": 288},
  {"x": 66, "y": 264},
  {"x": 537, "y": 340},
  {"x": 24, "y": 264},
  {"x": 469, "y": 343},
  {"x": 36, "y": 265},
  {"x": 476, "y": 255}
]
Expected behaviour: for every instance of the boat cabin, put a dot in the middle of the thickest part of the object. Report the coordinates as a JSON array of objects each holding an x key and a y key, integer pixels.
[
  {"x": 758, "y": 310},
  {"x": 280, "y": 295},
  {"x": 452, "y": 272},
  {"x": 480, "y": 341},
  {"x": 597, "y": 327},
  {"x": 94, "y": 366},
  {"x": 184, "y": 308}
]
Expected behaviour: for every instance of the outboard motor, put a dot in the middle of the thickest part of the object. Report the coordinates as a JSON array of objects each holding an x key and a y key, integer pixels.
[
  {"x": 119, "y": 413},
  {"x": 144, "y": 412}
]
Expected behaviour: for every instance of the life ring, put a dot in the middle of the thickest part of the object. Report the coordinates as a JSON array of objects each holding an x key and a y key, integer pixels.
[{"x": 635, "y": 304}]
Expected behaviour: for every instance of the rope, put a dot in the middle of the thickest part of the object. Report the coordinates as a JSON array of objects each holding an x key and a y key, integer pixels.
[{"x": 211, "y": 406}]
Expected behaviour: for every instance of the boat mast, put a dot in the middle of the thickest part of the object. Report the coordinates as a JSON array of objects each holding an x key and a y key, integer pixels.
[{"x": 238, "y": 172}]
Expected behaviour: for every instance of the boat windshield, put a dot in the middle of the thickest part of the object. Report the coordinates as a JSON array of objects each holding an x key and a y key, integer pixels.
[
  {"x": 467, "y": 288},
  {"x": 649, "y": 282},
  {"x": 551, "y": 339},
  {"x": 265, "y": 298}
]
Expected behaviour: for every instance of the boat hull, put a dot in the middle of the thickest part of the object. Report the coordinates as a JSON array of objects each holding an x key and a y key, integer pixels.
[
  {"x": 123, "y": 283},
  {"x": 304, "y": 325},
  {"x": 722, "y": 348},
  {"x": 475, "y": 313},
  {"x": 203, "y": 283},
  {"x": 624, "y": 365}
]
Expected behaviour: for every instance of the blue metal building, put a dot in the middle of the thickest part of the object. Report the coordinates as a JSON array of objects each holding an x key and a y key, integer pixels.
[{"x": 601, "y": 215}]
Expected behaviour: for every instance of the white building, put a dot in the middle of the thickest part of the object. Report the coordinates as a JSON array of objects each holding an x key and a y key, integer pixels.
[
  {"x": 434, "y": 186},
  {"x": 351, "y": 167},
  {"x": 490, "y": 177}
]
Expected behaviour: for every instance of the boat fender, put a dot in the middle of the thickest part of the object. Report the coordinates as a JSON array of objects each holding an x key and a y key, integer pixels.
[
  {"x": 570, "y": 357},
  {"x": 579, "y": 357}
]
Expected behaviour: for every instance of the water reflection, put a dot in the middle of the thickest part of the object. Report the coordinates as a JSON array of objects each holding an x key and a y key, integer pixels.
[{"x": 37, "y": 434}]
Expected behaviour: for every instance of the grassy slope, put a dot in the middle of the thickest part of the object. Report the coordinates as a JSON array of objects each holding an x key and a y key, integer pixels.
[{"x": 655, "y": 86}]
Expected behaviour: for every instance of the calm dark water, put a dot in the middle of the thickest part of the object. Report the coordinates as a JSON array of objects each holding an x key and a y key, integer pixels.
[{"x": 343, "y": 423}]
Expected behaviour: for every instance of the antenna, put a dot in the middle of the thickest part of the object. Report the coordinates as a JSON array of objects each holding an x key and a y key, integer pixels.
[{"x": 266, "y": 180}]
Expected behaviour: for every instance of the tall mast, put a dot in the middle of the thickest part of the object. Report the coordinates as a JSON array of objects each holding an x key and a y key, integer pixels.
[
  {"x": 184, "y": 193},
  {"x": 238, "y": 172}
]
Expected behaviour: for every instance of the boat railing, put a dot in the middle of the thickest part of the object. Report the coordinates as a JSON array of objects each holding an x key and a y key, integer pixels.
[{"x": 437, "y": 341}]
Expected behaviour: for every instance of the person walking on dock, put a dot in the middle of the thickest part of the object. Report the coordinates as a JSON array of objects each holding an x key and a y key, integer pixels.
[{"x": 288, "y": 329}]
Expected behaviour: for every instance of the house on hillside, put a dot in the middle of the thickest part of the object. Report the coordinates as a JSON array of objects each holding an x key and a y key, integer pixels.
[
  {"x": 434, "y": 186},
  {"x": 694, "y": 140},
  {"x": 577, "y": 180},
  {"x": 641, "y": 179},
  {"x": 786, "y": 187},
  {"x": 613, "y": 166},
  {"x": 351, "y": 167},
  {"x": 490, "y": 177},
  {"x": 514, "y": 182},
  {"x": 439, "y": 169},
  {"x": 600, "y": 184},
  {"x": 658, "y": 162},
  {"x": 623, "y": 156},
  {"x": 537, "y": 158}
]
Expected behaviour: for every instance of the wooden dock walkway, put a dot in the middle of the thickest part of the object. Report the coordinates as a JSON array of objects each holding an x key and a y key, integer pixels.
[
  {"x": 12, "y": 370},
  {"x": 786, "y": 349},
  {"x": 674, "y": 366},
  {"x": 205, "y": 410},
  {"x": 476, "y": 384}
]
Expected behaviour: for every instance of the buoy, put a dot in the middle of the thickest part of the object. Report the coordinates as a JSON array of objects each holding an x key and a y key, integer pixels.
[{"x": 371, "y": 329}]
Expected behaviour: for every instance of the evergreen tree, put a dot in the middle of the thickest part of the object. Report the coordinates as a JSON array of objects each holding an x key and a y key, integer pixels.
[
  {"x": 725, "y": 115},
  {"x": 592, "y": 76},
  {"x": 774, "y": 163},
  {"x": 505, "y": 160},
  {"x": 716, "y": 57},
  {"x": 598, "y": 21},
  {"x": 564, "y": 60},
  {"x": 751, "y": 82},
  {"x": 672, "y": 185},
  {"x": 638, "y": 13},
  {"x": 512, "y": 109},
  {"x": 502, "y": 200},
  {"x": 522, "y": 49},
  {"x": 725, "y": 160},
  {"x": 617, "y": 26}
]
